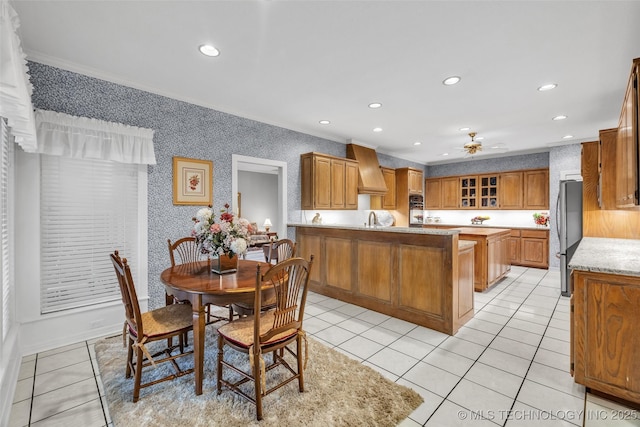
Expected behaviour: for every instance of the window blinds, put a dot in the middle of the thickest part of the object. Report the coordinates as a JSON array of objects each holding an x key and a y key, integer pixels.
[
  {"x": 6, "y": 261},
  {"x": 89, "y": 208}
]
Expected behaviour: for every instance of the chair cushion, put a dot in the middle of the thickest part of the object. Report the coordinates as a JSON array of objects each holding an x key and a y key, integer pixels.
[
  {"x": 167, "y": 319},
  {"x": 240, "y": 332}
]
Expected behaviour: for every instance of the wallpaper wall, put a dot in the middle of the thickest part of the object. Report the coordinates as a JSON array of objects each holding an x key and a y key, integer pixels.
[{"x": 181, "y": 129}]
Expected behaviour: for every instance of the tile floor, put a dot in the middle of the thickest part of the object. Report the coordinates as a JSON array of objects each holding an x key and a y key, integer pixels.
[{"x": 507, "y": 366}]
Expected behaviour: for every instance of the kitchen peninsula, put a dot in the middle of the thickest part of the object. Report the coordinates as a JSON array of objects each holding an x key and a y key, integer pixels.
[{"x": 414, "y": 274}]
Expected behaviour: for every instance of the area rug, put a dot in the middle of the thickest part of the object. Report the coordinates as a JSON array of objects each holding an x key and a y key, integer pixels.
[{"x": 339, "y": 391}]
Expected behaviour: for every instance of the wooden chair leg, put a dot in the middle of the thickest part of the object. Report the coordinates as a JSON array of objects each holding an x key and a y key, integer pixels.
[
  {"x": 257, "y": 376},
  {"x": 129, "y": 357},
  {"x": 138, "y": 374},
  {"x": 220, "y": 356},
  {"x": 300, "y": 364}
]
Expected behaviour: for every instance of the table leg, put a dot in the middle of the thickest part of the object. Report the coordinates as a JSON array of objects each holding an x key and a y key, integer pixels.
[{"x": 198, "y": 341}]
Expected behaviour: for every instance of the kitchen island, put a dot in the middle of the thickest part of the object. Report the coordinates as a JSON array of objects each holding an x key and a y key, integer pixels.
[
  {"x": 418, "y": 275},
  {"x": 491, "y": 257}
]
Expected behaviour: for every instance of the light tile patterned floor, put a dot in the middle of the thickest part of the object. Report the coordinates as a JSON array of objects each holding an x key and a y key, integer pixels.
[{"x": 508, "y": 366}]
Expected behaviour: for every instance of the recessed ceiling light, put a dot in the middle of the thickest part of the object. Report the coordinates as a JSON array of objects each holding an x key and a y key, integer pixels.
[
  {"x": 560, "y": 117},
  {"x": 377, "y": 129},
  {"x": 548, "y": 86},
  {"x": 417, "y": 143},
  {"x": 451, "y": 80},
  {"x": 445, "y": 154},
  {"x": 464, "y": 129},
  {"x": 209, "y": 50},
  {"x": 375, "y": 105},
  {"x": 324, "y": 122},
  {"x": 567, "y": 137}
]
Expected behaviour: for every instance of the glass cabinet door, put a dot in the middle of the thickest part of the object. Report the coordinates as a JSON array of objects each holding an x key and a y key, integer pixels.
[
  {"x": 488, "y": 191},
  {"x": 468, "y": 188}
]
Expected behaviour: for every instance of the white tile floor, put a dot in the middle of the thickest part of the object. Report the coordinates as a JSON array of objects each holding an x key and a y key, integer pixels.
[{"x": 507, "y": 366}]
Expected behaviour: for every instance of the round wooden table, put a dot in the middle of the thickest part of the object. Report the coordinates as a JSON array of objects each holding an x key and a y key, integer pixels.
[{"x": 194, "y": 282}]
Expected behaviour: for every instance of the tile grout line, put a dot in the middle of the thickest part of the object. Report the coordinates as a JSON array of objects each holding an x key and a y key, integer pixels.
[{"x": 95, "y": 378}]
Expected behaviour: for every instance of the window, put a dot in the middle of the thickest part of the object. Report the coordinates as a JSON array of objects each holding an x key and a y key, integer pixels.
[{"x": 88, "y": 209}]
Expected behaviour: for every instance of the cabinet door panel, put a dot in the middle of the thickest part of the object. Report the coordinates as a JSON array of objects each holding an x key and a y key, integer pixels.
[
  {"x": 337, "y": 183},
  {"x": 351, "y": 186},
  {"x": 536, "y": 189},
  {"x": 322, "y": 183},
  {"x": 534, "y": 252},
  {"x": 433, "y": 193},
  {"x": 450, "y": 193},
  {"x": 511, "y": 190}
]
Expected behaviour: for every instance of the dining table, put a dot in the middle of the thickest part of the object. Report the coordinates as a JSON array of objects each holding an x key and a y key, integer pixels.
[{"x": 196, "y": 283}]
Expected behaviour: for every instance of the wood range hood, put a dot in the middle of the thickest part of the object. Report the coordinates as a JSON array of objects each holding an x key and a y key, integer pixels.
[{"x": 370, "y": 179}]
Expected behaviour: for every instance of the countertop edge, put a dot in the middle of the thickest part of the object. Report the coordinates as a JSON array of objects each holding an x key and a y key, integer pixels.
[{"x": 605, "y": 255}]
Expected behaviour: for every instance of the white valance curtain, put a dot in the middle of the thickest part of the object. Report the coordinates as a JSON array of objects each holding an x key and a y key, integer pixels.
[
  {"x": 60, "y": 134},
  {"x": 15, "y": 87}
]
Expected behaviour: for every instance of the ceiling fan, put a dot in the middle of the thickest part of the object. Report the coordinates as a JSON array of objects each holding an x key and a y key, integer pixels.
[{"x": 472, "y": 147}]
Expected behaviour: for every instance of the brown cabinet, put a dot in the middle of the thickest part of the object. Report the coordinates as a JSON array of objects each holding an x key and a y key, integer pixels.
[
  {"x": 406, "y": 185},
  {"x": 524, "y": 189},
  {"x": 513, "y": 247},
  {"x": 536, "y": 189},
  {"x": 328, "y": 182},
  {"x": 491, "y": 261},
  {"x": 488, "y": 189},
  {"x": 628, "y": 144},
  {"x": 433, "y": 193},
  {"x": 468, "y": 192},
  {"x": 604, "y": 337},
  {"x": 534, "y": 246},
  {"x": 388, "y": 200},
  {"x": 415, "y": 181},
  {"x": 511, "y": 190},
  {"x": 441, "y": 193}
]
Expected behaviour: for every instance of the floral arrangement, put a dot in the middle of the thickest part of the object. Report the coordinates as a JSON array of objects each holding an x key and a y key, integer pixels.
[
  {"x": 230, "y": 235},
  {"x": 541, "y": 218}
]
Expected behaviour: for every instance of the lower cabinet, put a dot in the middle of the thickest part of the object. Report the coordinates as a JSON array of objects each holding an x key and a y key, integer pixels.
[
  {"x": 529, "y": 248},
  {"x": 604, "y": 333}
]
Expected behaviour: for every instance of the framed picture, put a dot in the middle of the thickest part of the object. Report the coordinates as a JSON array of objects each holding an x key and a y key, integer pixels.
[{"x": 192, "y": 181}]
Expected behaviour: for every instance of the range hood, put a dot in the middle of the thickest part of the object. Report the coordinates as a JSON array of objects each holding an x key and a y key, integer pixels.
[{"x": 370, "y": 179}]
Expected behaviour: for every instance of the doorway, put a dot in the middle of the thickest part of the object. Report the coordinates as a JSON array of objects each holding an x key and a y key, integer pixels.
[{"x": 254, "y": 168}]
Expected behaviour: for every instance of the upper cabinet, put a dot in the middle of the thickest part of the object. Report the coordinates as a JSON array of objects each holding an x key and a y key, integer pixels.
[
  {"x": 388, "y": 200},
  {"x": 415, "y": 181},
  {"x": 536, "y": 189},
  {"x": 511, "y": 190},
  {"x": 528, "y": 189},
  {"x": 627, "y": 145},
  {"x": 408, "y": 182},
  {"x": 328, "y": 182}
]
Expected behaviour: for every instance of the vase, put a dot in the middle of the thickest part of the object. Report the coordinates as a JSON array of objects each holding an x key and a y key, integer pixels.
[{"x": 224, "y": 264}]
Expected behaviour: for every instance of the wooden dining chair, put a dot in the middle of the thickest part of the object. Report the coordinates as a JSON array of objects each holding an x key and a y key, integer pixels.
[
  {"x": 280, "y": 250},
  {"x": 186, "y": 250},
  {"x": 167, "y": 322},
  {"x": 269, "y": 332}
]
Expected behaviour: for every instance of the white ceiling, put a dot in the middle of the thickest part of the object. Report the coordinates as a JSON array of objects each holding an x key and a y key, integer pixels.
[{"x": 293, "y": 63}]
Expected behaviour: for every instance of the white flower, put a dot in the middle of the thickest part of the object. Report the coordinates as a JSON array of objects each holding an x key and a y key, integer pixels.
[
  {"x": 204, "y": 214},
  {"x": 239, "y": 246}
]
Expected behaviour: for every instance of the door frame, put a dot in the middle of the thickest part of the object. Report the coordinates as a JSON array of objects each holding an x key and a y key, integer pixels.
[{"x": 254, "y": 164}]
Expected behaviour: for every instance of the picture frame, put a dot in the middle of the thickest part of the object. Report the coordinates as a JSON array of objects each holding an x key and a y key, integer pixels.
[{"x": 192, "y": 181}]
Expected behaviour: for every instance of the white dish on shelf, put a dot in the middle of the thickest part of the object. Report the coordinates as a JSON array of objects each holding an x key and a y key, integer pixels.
[{"x": 385, "y": 219}]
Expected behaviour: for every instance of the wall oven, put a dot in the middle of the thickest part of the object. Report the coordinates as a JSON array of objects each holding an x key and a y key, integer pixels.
[{"x": 416, "y": 210}]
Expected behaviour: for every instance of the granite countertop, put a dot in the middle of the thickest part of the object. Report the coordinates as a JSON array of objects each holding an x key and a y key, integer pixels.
[
  {"x": 482, "y": 231},
  {"x": 412, "y": 230},
  {"x": 615, "y": 256}
]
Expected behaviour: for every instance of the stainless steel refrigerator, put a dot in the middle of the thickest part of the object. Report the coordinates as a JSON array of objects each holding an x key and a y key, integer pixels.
[{"x": 569, "y": 228}]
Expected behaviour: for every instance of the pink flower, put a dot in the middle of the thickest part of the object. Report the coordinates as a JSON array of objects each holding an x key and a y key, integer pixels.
[{"x": 215, "y": 228}]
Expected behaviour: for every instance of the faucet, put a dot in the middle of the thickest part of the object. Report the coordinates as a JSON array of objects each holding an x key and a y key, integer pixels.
[{"x": 375, "y": 219}]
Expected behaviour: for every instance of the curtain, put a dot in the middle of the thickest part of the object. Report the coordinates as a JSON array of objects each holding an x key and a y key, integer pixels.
[
  {"x": 15, "y": 87},
  {"x": 83, "y": 138}
]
